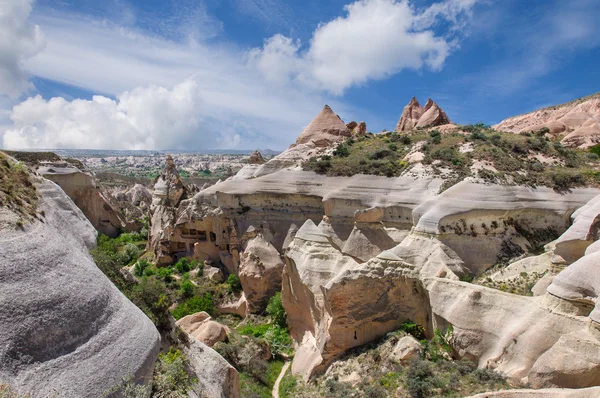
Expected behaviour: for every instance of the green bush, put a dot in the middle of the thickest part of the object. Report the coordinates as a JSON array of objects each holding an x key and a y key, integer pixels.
[
  {"x": 131, "y": 252},
  {"x": 140, "y": 266},
  {"x": 279, "y": 339},
  {"x": 187, "y": 288},
  {"x": 595, "y": 149},
  {"x": 151, "y": 296},
  {"x": 421, "y": 380},
  {"x": 193, "y": 305},
  {"x": 341, "y": 151},
  {"x": 165, "y": 273},
  {"x": 234, "y": 283},
  {"x": 170, "y": 375},
  {"x": 182, "y": 266},
  {"x": 414, "y": 329},
  {"x": 276, "y": 311},
  {"x": 254, "y": 330}
]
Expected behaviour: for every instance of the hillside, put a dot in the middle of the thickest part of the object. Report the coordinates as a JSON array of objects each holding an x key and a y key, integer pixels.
[
  {"x": 474, "y": 152},
  {"x": 575, "y": 123}
]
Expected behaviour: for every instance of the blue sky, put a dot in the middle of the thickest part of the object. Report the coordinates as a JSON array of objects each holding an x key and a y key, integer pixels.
[{"x": 244, "y": 74}]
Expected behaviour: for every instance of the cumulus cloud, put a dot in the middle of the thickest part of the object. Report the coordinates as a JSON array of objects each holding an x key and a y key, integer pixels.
[
  {"x": 19, "y": 40},
  {"x": 374, "y": 40},
  {"x": 194, "y": 94}
]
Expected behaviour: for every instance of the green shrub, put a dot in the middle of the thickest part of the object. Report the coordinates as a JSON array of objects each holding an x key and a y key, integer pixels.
[
  {"x": 193, "y": 305},
  {"x": 414, "y": 329},
  {"x": 165, "y": 273},
  {"x": 276, "y": 311},
  {"x": 595, "y": 149},
  {"x": 279, "y": 340},
  {"x": 435, "y": 137},
  {"x": 139, "y": 267},
  {"x": 254, "y": 330},
  {"x": 187, "y": 288},
  {"x": 421, "y": 380},
  {"x": 182, "y": 266},
  {"x": 131, "y": 252},
  {"x": 171, "y": 378},
  {"x": 393, "y": 147},
  {"x": 341, "y": 151},
  {"x": 151, "y": 296},
  {"x": 234, "y": 283}
]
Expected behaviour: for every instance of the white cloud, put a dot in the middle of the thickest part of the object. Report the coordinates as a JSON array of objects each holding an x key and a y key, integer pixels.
[
  {"x": 374, "y": 40},
  {"x": 198, "y": 94},
  {"x": 19, "y": 40}
]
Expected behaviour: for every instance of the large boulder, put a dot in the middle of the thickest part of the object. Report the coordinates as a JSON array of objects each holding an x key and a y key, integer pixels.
[
  {"x": 216, "y": 378},
  {"x": 201, "y": 327},
  {"x": 260, "y": 273},
  {"x": 64, "y": 327}
]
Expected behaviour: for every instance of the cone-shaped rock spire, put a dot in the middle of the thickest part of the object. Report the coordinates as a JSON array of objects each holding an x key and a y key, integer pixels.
[{"x": 324, "y": 129}]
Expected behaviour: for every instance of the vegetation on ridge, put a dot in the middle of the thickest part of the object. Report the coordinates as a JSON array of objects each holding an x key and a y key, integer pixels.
[
  {"x": 370, "y": 371},
  {"x": 476, "y": 151},
  {"x": 17, "y": 189}
]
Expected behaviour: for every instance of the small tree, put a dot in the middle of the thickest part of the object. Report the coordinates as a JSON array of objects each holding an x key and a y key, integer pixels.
[{"x": 276, "y": 311}]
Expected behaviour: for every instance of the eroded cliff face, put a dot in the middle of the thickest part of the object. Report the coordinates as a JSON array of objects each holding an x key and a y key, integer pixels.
[
  {"x": 363, "y": 254},
  {"x": 80, "y": 186},
  {"x": 65, "y": 329}
]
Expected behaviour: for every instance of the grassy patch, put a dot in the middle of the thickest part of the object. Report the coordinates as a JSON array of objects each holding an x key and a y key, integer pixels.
[{"x": 17, "y": 191}]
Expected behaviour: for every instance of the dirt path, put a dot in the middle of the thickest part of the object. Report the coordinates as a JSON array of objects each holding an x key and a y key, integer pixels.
[{"x": 275, "y": 392}]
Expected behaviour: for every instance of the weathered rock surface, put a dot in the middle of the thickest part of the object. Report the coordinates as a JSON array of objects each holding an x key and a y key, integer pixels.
[
  {"x": 260, "y": 273},
  {"x": 256, "y": 158},
  {"x": 201, "y": 327},
  {"x": 406, "y": 348},
  {"x": 526, "y": 338},
  {"x": 216, "y": 377},
  {"x": 169, "y": 191},
  {"x": 215, "y": 274},
  {"x": 325, "y": 129},
  {"x": 414, "y": 115},
  {"x": 64, "y": 327},
  {"x": 579, "y": 119},
  {"x": 333, "y": 303},
  {"x": 481, "y": 222},
  {"x": 572, "y": 244},
  {"x": 580, "y": 283},
  {"x": 81, "y": 187}
]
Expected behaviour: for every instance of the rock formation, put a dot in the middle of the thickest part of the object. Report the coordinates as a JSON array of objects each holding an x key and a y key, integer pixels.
[
  {"x": 577, "y": 121},
  {"x": 82, "y": 188},
  {"x": 357, "y": 129},
  {"x": 363, "y": 254},
  {"x": 256, "y": 158},
  {"x": 169, "y": 191},
  {"x": 201, "y": 327},
  {"x": 326, "y": 128},
  {"x": 64, "y": 327},
  {"x": 216, "y": 378},
  {"x": 414, "y": 115},
  {"x": 260, "y": 273}
]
